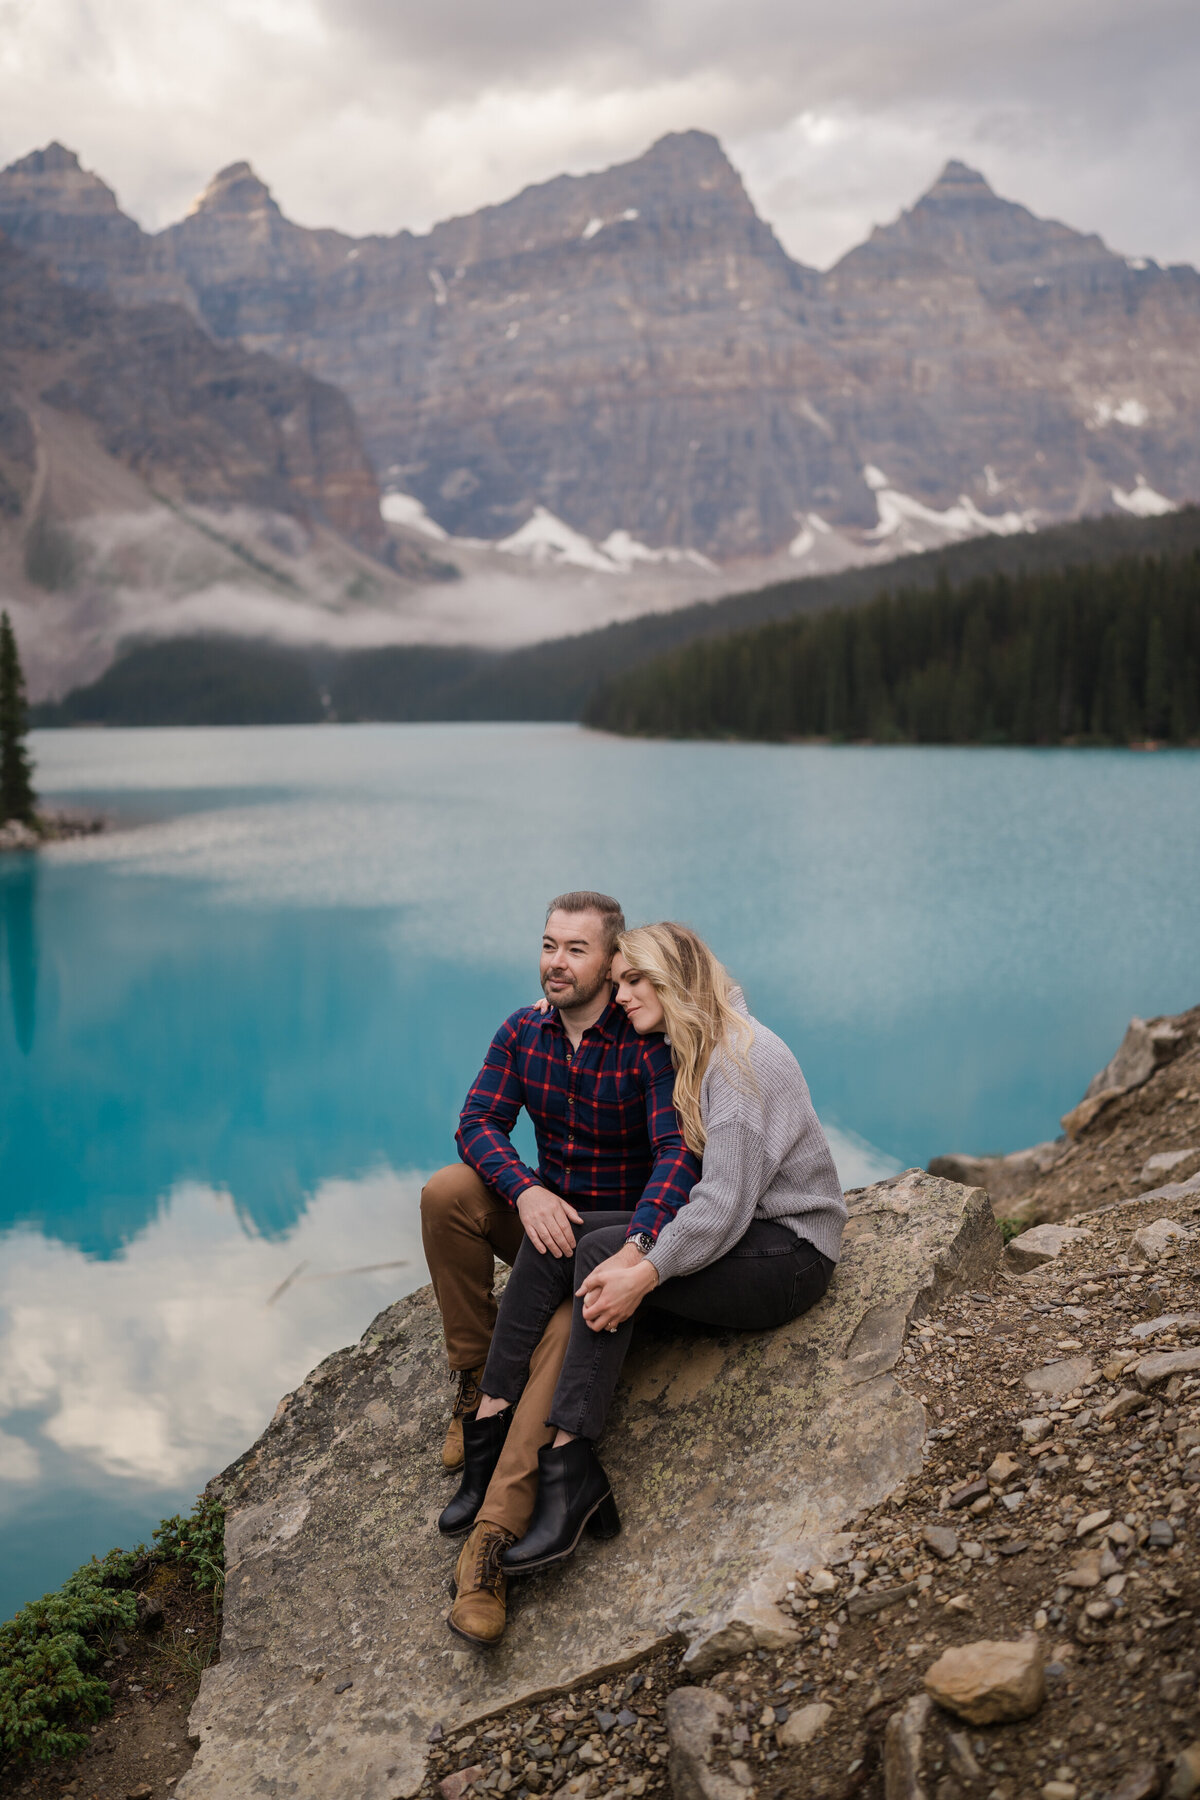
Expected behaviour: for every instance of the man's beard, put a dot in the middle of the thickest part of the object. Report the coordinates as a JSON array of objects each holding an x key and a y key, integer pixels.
[{"x": 577, "y": 994}]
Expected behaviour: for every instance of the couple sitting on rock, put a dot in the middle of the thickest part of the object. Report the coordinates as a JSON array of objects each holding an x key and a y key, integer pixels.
[{"x": 680, "y": 1166}]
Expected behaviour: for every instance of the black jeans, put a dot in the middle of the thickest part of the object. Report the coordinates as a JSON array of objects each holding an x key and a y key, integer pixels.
[{"x": 769, "y": 1277}]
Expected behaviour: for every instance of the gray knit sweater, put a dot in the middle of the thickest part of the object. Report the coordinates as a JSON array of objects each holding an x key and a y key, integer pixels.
[{"x": 765, "y": 1157}]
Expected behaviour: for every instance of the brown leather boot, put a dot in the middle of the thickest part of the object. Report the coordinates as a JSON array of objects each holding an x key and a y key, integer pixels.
[
  {"x": 466, "y": 1405},
  {"x": 481, "y": 1586}
]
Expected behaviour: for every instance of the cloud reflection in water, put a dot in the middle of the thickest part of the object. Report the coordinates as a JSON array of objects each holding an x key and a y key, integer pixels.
[{"x": 159, "y": 1365}]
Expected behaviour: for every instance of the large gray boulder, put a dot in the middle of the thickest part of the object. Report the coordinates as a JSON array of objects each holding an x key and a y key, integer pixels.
[{"x": 734, "y": 1457}]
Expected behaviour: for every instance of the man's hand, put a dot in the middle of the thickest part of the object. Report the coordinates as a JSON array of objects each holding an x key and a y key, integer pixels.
[
  {"x": 615, "y": 1289},
  {"x": 547, "y": 1221}
]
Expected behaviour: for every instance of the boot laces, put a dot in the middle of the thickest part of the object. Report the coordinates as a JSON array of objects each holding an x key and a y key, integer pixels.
[
  {"x": 489, "y": 1576},
  {"x": 469, "y": 1393}
]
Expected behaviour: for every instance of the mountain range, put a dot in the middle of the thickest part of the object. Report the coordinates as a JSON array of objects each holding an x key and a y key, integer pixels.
[
  {"x": 245, "y": 425},
  {"x": 634, "y": 351}
]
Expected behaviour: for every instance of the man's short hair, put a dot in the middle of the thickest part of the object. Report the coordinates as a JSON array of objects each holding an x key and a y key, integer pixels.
[{"x": 584, "y": 900}]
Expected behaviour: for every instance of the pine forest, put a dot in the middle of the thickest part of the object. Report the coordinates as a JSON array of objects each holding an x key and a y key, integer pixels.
[{"x": 1082, "y": 655}]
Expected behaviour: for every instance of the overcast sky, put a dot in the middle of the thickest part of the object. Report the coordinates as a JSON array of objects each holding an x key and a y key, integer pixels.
[{"x": 376, "y": 114}]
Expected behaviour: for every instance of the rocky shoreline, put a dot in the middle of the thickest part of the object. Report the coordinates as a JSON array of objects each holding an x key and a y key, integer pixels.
[
  {"x": 49, "y": 828},
  {"x": 950, "y": 1554},
  {"x": 1136, "y": 1127}
]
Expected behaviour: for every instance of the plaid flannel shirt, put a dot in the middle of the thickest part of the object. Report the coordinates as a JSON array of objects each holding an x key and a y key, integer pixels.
[{"x": 607, "y": 1134}]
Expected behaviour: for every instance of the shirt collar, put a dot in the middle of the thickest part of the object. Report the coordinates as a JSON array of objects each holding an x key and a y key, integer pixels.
[{"x": 608, "y": 1025}]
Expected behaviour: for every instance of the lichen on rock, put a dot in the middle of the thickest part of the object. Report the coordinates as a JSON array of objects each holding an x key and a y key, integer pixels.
[{"x": 735, "y": 1458}]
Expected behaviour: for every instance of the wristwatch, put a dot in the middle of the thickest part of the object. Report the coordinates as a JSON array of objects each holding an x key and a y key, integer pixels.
[{"x": 642, "y": 1242}]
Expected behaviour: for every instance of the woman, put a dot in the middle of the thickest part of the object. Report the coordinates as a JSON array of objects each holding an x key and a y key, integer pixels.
[{"x": 754, "y": 1246}]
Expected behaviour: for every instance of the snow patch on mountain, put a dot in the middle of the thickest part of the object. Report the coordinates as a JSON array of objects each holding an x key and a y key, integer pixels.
[
  {"x": 546, "y": 539},
  {"x": 595, "y": 225},
  {"x": 1120, "y": 412},
  {"x": 920, "y": 527},
  {"x": 625, "y": 550},
  {"x": 1142, "y": 500},
  {"x": 405, "y": 509}
]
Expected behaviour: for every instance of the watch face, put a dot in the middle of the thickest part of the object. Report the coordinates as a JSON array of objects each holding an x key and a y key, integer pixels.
[{"x": 644, "y": 1242}]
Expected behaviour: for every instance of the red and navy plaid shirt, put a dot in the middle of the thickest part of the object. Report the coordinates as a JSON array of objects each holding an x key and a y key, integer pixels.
[{"x": 607, "y": 1134}]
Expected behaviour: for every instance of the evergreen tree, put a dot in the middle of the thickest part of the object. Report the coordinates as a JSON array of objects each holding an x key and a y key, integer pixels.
[{"x": 17, "y": 800}]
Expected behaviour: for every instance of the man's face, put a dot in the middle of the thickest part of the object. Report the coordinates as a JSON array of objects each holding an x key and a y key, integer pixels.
[{"x": 575, "y": 959}]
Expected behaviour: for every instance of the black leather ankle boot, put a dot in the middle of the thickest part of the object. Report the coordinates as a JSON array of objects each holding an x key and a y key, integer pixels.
[
  {"x": 573, "y": 1492},
  {"x": 483, "y": 1440}
]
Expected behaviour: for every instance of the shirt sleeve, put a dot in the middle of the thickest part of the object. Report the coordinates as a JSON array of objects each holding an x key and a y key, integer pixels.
[
  {"x": 488, "y": 1116},
  {"x": 675, "y": 1170}
]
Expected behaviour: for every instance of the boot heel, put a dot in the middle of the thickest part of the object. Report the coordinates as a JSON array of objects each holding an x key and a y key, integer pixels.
[{"x": 605, "y": 1522}]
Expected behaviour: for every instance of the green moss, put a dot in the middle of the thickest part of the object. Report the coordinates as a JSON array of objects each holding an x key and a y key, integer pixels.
[{"x": 48, "y": 1651}]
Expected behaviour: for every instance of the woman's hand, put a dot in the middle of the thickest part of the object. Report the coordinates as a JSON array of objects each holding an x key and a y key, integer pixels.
[{"x": 615, "y": 1289}]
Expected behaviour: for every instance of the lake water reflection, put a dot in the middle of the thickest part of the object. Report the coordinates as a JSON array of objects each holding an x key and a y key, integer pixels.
[{"x": 236, "y": 1033}]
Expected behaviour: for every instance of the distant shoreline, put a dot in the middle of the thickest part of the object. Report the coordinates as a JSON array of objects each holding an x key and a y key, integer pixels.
[{"x": 52, "y": 827}]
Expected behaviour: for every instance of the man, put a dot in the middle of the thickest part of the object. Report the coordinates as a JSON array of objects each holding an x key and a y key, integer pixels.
[{"x": 600, "y": 1098}]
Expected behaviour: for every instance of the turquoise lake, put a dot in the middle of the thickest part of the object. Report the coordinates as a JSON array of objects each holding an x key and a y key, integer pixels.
[{"x": 235, "y": 1031}]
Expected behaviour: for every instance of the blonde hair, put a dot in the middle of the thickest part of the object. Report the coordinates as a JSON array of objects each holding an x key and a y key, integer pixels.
[{"x": 695, "y": 991}]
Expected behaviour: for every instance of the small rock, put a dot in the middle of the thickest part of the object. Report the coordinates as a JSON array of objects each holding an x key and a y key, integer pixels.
[
  {"x": 1119, "y": 1533},
  {"x": 1139, "y": 1782},
  {"x": 823, "y": 1581},
  {"x": 903, "y": 1750},
  {"x": 1178, "y": 1685},
  {"x": 1084, "y": 1571},
  {"x": 1093, "y": 1521},
  {"x": 989, "y": 1681},
  {"x": 1057, "y": 1379},
  {"x": 1041, "y": 1245},
  {"x": 144, "y": 1792},
  {"x": 1160, "y": 1367},
  {"x": 1153, "y": 1239},
  {"x": 941, "y": 1540},
  {"x": 962, "y": 1757},
  {"x": 753, "y": 1627},
  {"x": 1059, "y": 1790},
  {"x": 1161, "y": 1166},
  {"x": 804, "y": 1725},
  {"x": 1099, "y": 1609},
  {"x": 1165, "y": 1322},
  {"x": 1034, "y": 1431},
  {"x": 972, "y": 1552},
  {"x": 453, "y": 1787},
  {"x": 150, "y": 1613},
  {"x": 1162, "y": 1536},
  {"x": 15, "y": 835},
  {"x": 1003, "y": 1468},
  {"x": 1121, "y": 1405},
  {"x": 861, "y": 1606},
  {"x": 1146, "y": 1045},
  {"x": 1076, "y": 1122},
  {"x": 1185, "y": 1773},
  {"x": 966, "y": 1496},
  {"x": 694, "y": 1717}
]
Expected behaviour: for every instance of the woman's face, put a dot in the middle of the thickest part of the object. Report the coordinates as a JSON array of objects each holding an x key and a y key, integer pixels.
[{"x": 636, "y": 993}]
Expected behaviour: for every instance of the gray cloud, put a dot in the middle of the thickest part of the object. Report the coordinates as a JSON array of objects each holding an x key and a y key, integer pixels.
[{"x": 374, "y": 114}]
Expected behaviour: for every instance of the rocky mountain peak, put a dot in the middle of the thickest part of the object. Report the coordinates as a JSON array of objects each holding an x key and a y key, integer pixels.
[
  {"x": 958, "y": 181},
  {"x": 54, "y": 181},
  {"x": 235, "y": 189},
  {"x": 963, "y": 223},
  {"x": 55, "y": 159}
]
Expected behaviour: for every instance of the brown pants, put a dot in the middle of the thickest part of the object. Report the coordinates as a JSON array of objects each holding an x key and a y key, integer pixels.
[{"x": 464, "y": 1227}]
